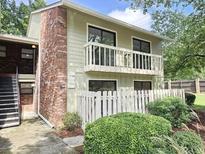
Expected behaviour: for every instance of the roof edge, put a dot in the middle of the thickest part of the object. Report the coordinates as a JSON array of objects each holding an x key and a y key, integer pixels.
[
  {"x": 80, "y": 8},
  {"x": 19, "y": 39},
  {"x": 56, "y": 4}
]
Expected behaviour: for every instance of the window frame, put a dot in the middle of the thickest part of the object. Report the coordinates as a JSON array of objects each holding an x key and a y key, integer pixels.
[
  {"x": 143, "y": 81},
  {"x": 5, "y": 51},
  {"x": 27, "y": 53},
  {"x": 115, "y": 80},
  {"x": 103, "y": 29},
  {"x": 140, "y": 39}
]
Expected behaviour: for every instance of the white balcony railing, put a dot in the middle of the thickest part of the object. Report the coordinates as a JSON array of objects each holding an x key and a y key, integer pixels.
[{"x": 105, "y": 58}]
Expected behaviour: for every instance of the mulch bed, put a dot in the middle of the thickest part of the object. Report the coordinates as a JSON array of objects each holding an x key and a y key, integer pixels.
[
  {"x": 196, "y": 125},
  {"x": 66, "y": 133}
]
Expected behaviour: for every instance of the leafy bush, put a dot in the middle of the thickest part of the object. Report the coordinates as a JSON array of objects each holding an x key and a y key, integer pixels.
[
  {"x": 190, "y": 98},
  {"x": 125, "y": 133},
  {"x": 192, "y": 142},
  {"x": 72, "y": 121},
  {"x": 172, "y": 109},
  {"x": 167, "y": 145},
  {"x": 183, "y": 142}
]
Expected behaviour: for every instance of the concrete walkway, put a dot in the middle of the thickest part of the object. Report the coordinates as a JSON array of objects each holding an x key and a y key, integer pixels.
[
  {"x": 33, "y": 137},
  {"x": 73, "y": 142}
]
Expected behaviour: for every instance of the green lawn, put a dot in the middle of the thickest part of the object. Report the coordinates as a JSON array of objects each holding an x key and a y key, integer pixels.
[{"x": 200, "y": 101}]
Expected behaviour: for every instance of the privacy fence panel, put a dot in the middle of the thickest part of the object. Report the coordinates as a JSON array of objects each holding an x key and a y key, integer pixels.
[
  {"x": 194, "y": 86},
  {"x": 93, "y": 105},
  {"x": 188, "y": 86},
  {"x": 202, "y": 85}
]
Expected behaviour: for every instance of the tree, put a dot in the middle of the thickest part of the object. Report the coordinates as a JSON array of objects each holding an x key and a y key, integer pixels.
[
  {"x": 8, "y": 17},
  {"x": 14, "y": 19},
  {"x": 37, "y": 4},
  {"x": 197, "y": 5},
  {"x": 185, "y": 55},
  {"x": 169, "y": 23},
  {"x": 23, "y": 14}
]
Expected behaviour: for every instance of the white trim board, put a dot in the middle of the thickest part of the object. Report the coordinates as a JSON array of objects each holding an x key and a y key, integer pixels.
[{"x": 19, "y": 39}]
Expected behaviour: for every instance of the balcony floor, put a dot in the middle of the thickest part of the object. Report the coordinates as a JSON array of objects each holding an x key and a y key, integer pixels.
[{"x": 114, "y": 69}]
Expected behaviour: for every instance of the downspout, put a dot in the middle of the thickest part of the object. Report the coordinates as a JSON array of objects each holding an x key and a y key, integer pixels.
[{"x": 38, "y": 89}]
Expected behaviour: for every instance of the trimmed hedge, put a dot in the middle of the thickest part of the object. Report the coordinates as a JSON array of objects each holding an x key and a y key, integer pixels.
[
  {"x": 190, "y": 98},
  {"x": 124, "y": 133},
  {"x": 192, "y": 142},
  {"x": 72, "y": 121},
  {"x": 172, "y": 109}
]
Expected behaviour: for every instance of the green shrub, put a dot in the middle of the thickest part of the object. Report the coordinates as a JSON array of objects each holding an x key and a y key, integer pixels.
[
  {"x": 192, "y": 142},
  {"x": 190, "y": 98},
  {"x": 125, "y": 133},
  {"x": 172, "y": 109},
  {"x": 167, "y": 145},
  {"x": 72, "y": 121},
  {"x": 182, "y": 142}
]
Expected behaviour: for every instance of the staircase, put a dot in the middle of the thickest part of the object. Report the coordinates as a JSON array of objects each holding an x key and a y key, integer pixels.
[{"x": 9, "y": 101}]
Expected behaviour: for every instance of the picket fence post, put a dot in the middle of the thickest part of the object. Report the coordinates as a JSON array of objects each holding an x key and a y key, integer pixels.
[
  {"x": 98, "y": 105},
  {"x": 94, "y": 105}
]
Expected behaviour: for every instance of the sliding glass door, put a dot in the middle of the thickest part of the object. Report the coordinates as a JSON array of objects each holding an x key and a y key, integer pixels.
[
  {"x": 102, "y": 56},
  {"x": 141, "y": 61}
]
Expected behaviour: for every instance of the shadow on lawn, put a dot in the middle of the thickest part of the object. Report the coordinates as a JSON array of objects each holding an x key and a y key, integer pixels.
[{"x": 5, "y": 145}]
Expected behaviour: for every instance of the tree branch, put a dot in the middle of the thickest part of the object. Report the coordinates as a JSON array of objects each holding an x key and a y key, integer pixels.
[{"x": 186, "y": 58}]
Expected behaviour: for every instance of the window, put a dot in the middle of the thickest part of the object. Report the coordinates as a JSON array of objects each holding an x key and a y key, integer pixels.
[
  {"x": 102, "y": 85},
  {"x": 141, "y": 46},
  {"x": 142, "y": 85},
  {"x": 2, "y": 51},
  {"x": 26, "y": 88},
  {"x": 101, "y": 36},
  {"x": 139, "y": 61},
  {"x": 26, "y": 53}
]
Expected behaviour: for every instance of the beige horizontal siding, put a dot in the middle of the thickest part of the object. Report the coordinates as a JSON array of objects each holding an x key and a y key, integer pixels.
[
  {"x": 34, "y": 26},
  {"x": 77, "y": 38}
]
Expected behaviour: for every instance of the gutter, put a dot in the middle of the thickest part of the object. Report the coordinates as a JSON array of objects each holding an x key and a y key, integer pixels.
[
  {"x": 46, "y": 121},
  {"x": 38, "y": 91}
]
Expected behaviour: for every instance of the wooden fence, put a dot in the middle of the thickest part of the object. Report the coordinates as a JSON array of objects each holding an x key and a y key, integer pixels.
[
  {"x": 195, "y": 86},
  {"x": 94, "y": 105}
]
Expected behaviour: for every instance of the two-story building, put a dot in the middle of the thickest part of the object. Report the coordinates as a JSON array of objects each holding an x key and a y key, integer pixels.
[{"x": 80, "y": 49}]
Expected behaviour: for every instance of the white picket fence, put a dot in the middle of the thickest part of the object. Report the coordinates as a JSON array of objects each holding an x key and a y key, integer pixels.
[{"x": 94, "y": 105}]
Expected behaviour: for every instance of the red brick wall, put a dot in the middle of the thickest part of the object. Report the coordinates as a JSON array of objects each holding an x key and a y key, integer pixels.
[
  {"x": 53, "y": 63},
  {"x": 26, "y": 103}
]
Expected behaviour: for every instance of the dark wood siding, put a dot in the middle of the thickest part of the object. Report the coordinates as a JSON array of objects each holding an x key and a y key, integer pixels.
[{"x": 13, "y": 58}]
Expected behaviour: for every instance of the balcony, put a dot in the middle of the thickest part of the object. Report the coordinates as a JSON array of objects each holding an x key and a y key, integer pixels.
[{"x": 105, "y": 58}]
